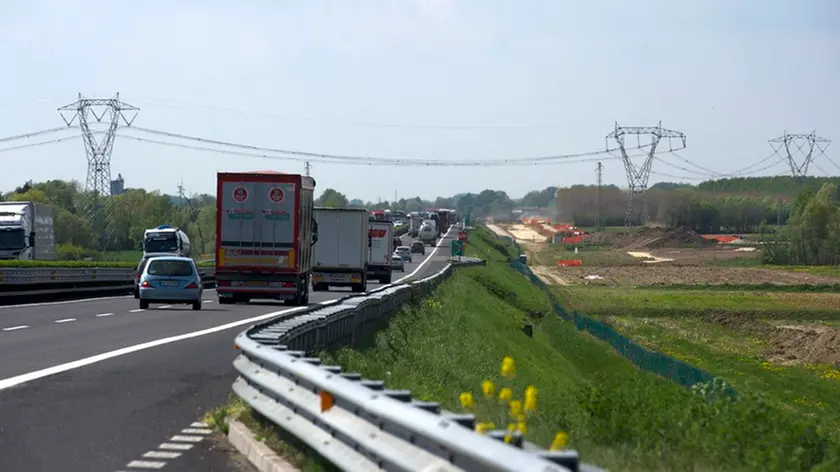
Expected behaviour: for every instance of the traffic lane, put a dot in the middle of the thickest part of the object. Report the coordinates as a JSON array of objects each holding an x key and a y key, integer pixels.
[
  {"x": 116, "y": 410},
  {"x": 49, "y": 343},
  {"x": 110, "y": 413}
]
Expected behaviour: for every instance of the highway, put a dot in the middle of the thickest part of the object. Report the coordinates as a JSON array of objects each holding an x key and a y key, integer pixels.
[{"x": 92, "y": 385}]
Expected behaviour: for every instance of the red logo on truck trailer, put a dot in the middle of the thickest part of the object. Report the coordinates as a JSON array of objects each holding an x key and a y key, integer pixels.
[
  {"x": 377, "y": 233},
  {"x": 276, "y": 195},
  {"x": 240, "y": 194}
]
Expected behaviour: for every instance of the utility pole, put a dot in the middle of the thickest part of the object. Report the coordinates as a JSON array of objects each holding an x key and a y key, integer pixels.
[
  {"x": 804, "y": 144},
  {"x": 307, "y": 167},
  {"x": 638, "y": 177},
  {"x": 98, "y": 183},
  {"x": 599, "y": 173}
]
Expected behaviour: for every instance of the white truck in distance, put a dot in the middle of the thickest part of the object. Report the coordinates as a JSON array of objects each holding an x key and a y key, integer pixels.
[
  {"x": 27, "y": 232},
  {"x": 341, "y": 253},
  {"x": 165, "y": 241},
  {"x": 381, "y": 249},
  {"x": 414, "y": 225},
  {"x": 428, "y": 234}
]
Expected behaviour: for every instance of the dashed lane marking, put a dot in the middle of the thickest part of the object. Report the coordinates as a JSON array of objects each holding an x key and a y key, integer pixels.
[
  {"x": 101, "y": 315},
  {"x": 175, "y": 446},
  {"x": 196, "y": 431},
  {"x": 182, "y": 438},
  {"x": 65, "y": 320},
  {"x": 15, "y": 328},
  {"x": 173, "y": 449},
  {"x": 138, "y": 310},
  {"x": 161, "y": 455},
  {"x": 165, "y": 306},
  {"x": 146, "y": 464}
]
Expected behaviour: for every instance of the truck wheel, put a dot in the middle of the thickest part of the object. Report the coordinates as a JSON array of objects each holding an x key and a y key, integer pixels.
[
  {"x": 144, "y": 304},
  {"x": 385, "y": 280},
  {"x": 225, "y": 301},
  {"x": 305, "y": 297}
]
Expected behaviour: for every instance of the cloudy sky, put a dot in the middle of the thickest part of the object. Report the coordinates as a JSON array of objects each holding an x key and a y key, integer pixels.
[{"x": 455, "y": 80}]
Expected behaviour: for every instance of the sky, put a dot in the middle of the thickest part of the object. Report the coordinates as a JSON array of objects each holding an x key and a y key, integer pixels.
[{"x": 452, "y": 80}]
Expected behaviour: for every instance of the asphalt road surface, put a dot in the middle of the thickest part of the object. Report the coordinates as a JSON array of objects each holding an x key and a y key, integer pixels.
[{"x": 99, "y": 385}]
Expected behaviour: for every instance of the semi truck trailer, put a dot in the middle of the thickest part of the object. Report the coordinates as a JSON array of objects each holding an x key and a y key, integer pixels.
[
  {"x": 265, "y": 233},
  {"x": 380, "y": 251},
  {"x": 341, "y": 253}
]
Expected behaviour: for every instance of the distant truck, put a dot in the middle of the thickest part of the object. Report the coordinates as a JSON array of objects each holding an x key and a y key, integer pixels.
[
  {"x": 381, "y": 249},
  {"x": 414, "y": 225},
  {"x": 165, "y": 240},
  {"x": 445, "y": 219},
  {"x": 266, "y": 231},
  {"x": 341, "y": 253},
  {"x": 428, "y": 234},
  {"x": 27, "y": 232}
]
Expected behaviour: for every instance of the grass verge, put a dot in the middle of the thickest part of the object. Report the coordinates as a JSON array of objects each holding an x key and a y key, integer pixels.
[
  {"x": 616, "y": 416},
  {"x": 292, "y": 449}
]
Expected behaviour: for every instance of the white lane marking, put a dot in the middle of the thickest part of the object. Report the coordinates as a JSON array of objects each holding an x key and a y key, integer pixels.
[
  {"x": 165, "y": 306},
  {"x": 65, "y": 320},
  {"x": 199, "y": 424},
  {"x": 104, "y": 314},
  {"x": 77, "y": 364},
  {"x": 206, "y": 301},
  {"x": 137, "y": 310},
  {"x": 15, "y": 328},
  {"x": 176, "y": 446},
  {"x": 161, "y": 455},
  {"x": 197, "y": 431},
  {"x": 146, "y": 464},
  {"x": 81, "y": 300},
  {"x": 181, "y": 438}
]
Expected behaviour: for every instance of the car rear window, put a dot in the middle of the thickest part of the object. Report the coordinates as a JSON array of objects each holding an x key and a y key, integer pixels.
[{"x": 173, "y": 268}]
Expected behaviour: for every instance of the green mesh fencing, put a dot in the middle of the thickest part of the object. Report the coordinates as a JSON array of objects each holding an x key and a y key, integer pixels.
[{"x": 675, "y": 370}]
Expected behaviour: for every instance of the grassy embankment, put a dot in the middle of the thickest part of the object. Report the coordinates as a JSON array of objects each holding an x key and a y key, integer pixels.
[{"x": 615, "y": 415}]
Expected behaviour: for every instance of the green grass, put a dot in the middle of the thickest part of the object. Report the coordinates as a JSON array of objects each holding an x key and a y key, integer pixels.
[
  {"x": 616, "y": 416},
  {"x": 592, "y": 255},
  {"x": 285, "y": 445},
  {"x": 655, "y": 302}
]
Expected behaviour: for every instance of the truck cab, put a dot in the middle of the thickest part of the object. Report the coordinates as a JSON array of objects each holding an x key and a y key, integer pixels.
[{"x": 26, "y": 231}]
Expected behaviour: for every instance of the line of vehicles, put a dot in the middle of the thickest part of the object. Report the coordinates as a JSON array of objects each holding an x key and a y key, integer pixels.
[{"x": 273, "y": 243}]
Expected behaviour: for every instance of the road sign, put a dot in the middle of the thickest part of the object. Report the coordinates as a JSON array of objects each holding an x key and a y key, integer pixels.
[
  {"x": 457, "y": 248},
  {"x": 463, "y": 236}
]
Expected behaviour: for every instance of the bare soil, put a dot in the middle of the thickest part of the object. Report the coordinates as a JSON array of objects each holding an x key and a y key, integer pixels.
[
  {"x": 549, "y": 276},
  {"x": 791, "y": 343},
  {"x": 667, "y": 274},
  {"x": 651, "y": 238}
]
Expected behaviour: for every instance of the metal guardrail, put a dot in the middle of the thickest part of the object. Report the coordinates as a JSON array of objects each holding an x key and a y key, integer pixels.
[
  {"x": 54, "y": 282},
  {"x": 369, "y": 427}
]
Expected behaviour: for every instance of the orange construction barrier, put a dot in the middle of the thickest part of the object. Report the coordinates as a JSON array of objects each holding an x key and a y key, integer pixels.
[{"x": 569, "y": 262}]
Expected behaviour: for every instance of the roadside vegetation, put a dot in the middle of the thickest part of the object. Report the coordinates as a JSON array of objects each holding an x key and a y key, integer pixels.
[{"x": 615, "y": 415}]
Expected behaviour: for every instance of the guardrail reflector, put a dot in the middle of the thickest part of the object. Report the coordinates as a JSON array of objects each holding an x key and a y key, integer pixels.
[{"x": 327, "y": 401}]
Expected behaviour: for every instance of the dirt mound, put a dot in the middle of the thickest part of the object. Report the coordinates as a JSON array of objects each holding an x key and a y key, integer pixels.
[
  {"x": 663, "y": 237},
  {"x": 791, "y": 344}
]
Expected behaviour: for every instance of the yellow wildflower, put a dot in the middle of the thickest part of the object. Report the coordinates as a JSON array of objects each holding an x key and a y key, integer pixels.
[
  {"x": 515, "y": 408},
  {"x": 531, "y": 397},
  {"x": 467, "y": 400},
  {"x": 561, "y": 439},
  {"x": 488, "y": 388},
  {"x": 482, "y": 428},
  {"x": 522, "y": 427},
  {"x": 505, "y": 394},
  {"x": 508, "y": 367},
  {"x": 509, "y": 434}
]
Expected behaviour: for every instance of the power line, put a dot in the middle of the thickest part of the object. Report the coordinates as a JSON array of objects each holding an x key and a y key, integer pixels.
[
  {"x": 372, "y": 159},
  {"x": 40, "y": 143},
  {"x": 33, "y": 134}
]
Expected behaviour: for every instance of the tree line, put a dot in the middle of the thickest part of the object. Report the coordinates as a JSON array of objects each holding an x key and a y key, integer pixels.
[{"x": 813, "y": 235}]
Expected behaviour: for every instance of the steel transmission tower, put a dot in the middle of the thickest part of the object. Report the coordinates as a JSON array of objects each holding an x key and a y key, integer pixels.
[
  {"x": 638, "y": 177},
  {"x": 804, "y": 144},
  {"x": 599, "y": 170},
  {"x": 98, "y": 182},
  {"x": 307, "y": 167}
]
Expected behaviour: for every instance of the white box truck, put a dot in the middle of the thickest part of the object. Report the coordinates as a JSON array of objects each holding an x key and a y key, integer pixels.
[
  {"x": 27, "y": 231},
  {"x": 341, "y": 253},
  {"x": 381, "y": 249}
]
